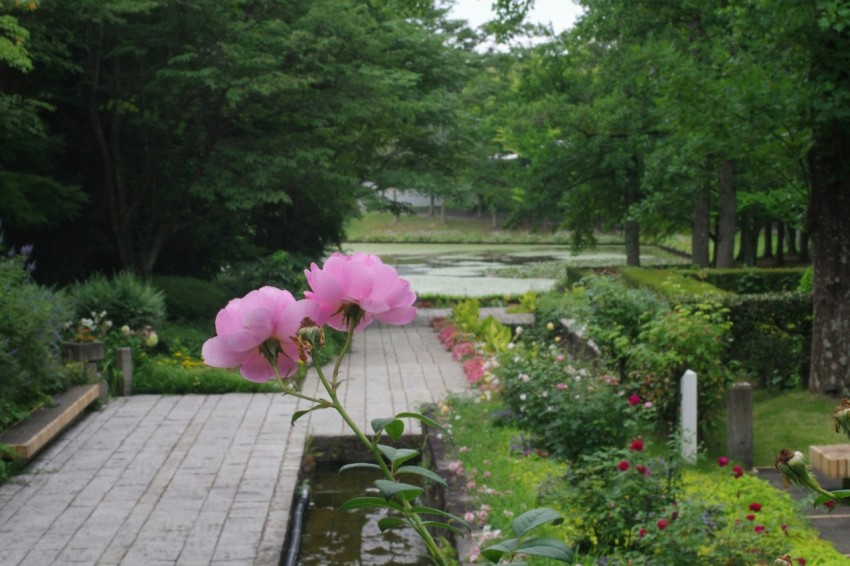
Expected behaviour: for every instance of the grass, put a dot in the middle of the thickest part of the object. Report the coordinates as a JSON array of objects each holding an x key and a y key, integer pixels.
[
  {"x": 383, "y": 227},
  {"x": 784, "y": 419}
]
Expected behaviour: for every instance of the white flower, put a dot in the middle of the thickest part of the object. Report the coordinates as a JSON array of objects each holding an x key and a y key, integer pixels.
[{"x": 518, "y": 330}]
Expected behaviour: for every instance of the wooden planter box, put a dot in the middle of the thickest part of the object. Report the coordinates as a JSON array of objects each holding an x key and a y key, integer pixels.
[{"x": 83, "y": 351}]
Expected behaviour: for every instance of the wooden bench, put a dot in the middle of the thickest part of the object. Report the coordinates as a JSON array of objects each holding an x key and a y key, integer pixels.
[
  {"x": 32, "y": 434},
  {"x": 833, "y": 460}
]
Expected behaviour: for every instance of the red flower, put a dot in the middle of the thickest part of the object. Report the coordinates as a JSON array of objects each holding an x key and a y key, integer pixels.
[
  {"x": 642, "y": 469},
  {"x": 634, "y": 399},
  {"x": 661, "y": 524},
  {"x": 623, "y": 465},
  {"x": 636, "y": 445},
  {"x": 737, "y": 471},
  {"x": 759, "y": 528},
  {"x": 641, "y": 532},
  {"x": 751, "y": 517},
  {"x": 830, "y": 504},
  {"x": 756, "y": 507},
  {"x": 723, "y": 461},
  {"x": 801, "y": 561}
]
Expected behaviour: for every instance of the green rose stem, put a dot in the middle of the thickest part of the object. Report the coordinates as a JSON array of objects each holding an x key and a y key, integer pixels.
[{"x": 331, "y": 386}]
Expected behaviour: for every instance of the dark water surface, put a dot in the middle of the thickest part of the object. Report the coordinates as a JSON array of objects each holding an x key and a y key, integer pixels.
[{"x": 352, "y": 538}]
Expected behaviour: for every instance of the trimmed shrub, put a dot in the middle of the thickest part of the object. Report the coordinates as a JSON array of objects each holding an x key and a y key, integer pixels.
[
  {"x": 751, "y": 281},
  {"x": 671, "y": 283},
  {"x": 127, "y": 300},
  {"x": 188, "y": 298}
]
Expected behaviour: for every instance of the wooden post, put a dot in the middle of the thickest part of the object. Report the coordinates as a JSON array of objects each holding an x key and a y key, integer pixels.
[{"x": 124, "y": 363}]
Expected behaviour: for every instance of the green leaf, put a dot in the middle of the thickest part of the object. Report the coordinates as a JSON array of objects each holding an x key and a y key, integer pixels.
[
  {"x": 388, "y": 523},
  {"x": 446, "y": 526},
  {"x": 427, "y": 420},
  {"x": 393, "y": 488},
  {"x": 380, "y": 424},
  {"x": 547, "y": 548},
  {"x": 370, "y": 503},
  {"x": 359, "y": 465},
  {"x": 425, "y": 472},
  {"x": 298, "y": 414},
  {"x": 494, "y": 553},
  {"x": 421, "y": 510},
  {"x": 535, "y": 518},
  {"x": 395, "y": 429},
  {"x": 388, "y": 451}
]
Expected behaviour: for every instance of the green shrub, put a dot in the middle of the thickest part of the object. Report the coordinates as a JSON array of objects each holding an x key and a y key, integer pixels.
[
  {"x": 31, "y": 319},
  {"x": 610, "y": 492},
  {"x": 771, "y": 337},
  {"x": 281, "y": 269},
  {"x": 127, "y": 300},
  {"x": 164, "y": 379},
  {"x": 616, "y": 314},
  {"x": 685, "y": 337},
  {"x": 188, "y": 298},
  {"x": 569, "y": 411},
  {"x": 751, "y": 280}
]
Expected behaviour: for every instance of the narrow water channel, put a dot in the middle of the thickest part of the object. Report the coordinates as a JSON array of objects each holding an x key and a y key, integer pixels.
[{"x": 351, "y": 538}]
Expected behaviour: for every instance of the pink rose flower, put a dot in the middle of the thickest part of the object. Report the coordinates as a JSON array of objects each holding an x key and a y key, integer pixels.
[
  {"x": 364, "y": 281},
  {"x": 755, "y": 507},
  {"x": 623, "y": 465},
  {"x": 737, "y": 471},
  {"x": 636, "y": 445},
  {"x": 634, "y": 399},
  {"x": 723, "y": 461},
  {"x": 751, "y": 517},
  {"x": 661, "y": 524},
  {"x": 642, "y": 469},
  {"x": 251, "y": 329},
  {"x": 759, "y": 528}
]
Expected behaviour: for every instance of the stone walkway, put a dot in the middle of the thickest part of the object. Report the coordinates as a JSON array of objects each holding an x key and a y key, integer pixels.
[{"x": 194, "y": 480}]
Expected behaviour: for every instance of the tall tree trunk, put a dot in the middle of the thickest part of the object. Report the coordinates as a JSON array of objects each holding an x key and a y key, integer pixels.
[
  {"x": 804, "y": 245},
  {"x": 829, "y": 208},
  {"x": 780, "y": 244},
  {"x": 768, "y": 240},
  {"x": 726, "y": 220},
  {"x": 749, "y": 240},
  {"x": 792, "y": 240},
  {"x": 431, "y": 206},
  {"x": 701, "y": 227},
  {"x": 494, "y": 221}
]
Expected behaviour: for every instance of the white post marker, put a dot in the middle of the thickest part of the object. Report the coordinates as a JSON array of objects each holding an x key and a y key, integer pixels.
[{"x": 689, "y": 417}]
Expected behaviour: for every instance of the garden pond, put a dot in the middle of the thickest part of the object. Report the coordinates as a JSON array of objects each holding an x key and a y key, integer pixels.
[{"x": 475, "y": 270}]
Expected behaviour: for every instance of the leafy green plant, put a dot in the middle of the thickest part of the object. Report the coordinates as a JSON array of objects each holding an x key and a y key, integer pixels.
[
  {"x": 494, "y": 335},
  {"x": 31, "y": 319},
  {"x": 465, "y": 315},
  {"x": 126, "y": 298},
  {"x": 189, "y": 298}
]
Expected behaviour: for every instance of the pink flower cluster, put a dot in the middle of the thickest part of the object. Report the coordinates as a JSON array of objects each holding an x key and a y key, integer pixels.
[
  {"x": 260, "y": 332},
  {"x": 474, "y": 369},
  {"x": 463, "y": 350}
]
